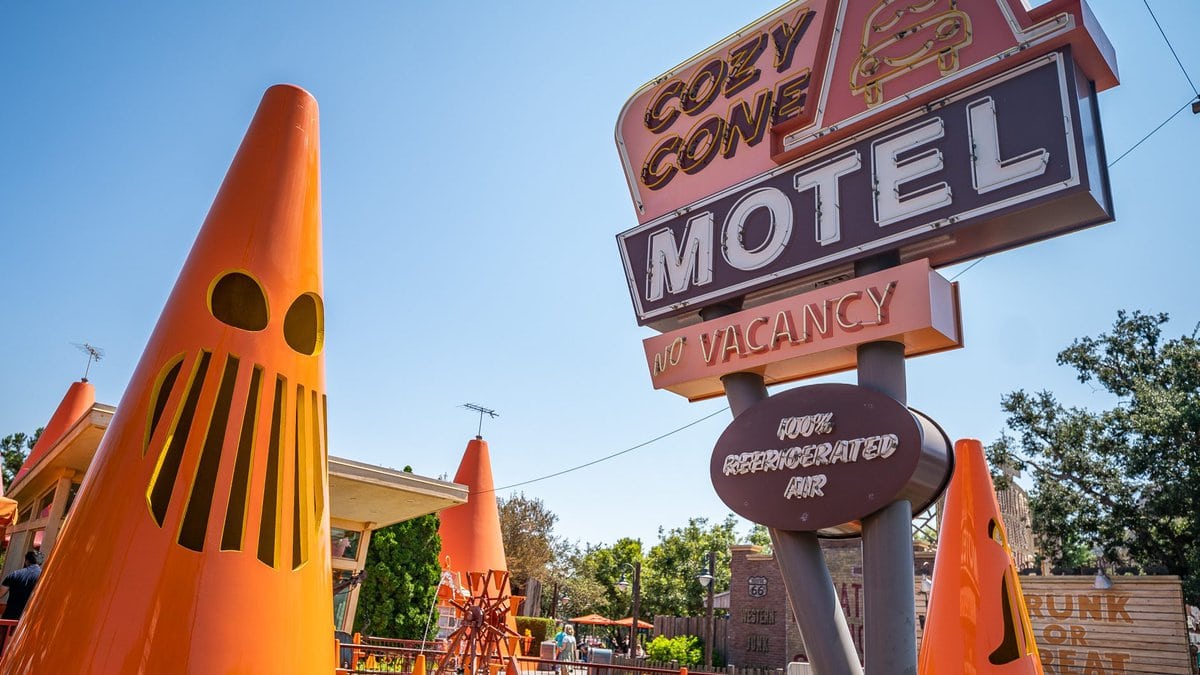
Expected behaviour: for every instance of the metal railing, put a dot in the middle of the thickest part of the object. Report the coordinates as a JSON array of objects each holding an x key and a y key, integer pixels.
[{"x": 385, "y": 655}]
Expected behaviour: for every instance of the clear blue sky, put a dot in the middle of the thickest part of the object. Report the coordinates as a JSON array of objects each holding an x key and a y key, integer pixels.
[{"x": 472, "y": 193}]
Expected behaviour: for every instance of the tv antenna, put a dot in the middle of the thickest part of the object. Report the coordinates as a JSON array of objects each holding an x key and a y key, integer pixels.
[
  {"x": 482, "y": 411},
  {"x": 93, "y": 352}
]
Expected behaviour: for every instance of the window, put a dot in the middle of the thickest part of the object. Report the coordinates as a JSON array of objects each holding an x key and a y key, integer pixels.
[
  {"x": 345, "y": 543},
  {"x": 45, "y": 504},
  {"x": 341, "y": 596},
  {"x": 71, "y": 497},
  {"x": 447, "y": 621}
]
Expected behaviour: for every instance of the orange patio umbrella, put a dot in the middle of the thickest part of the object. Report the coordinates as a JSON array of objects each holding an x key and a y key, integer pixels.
[
  {"x": 592, "y": 620},
  {"x": 8, "y": 511},
  {"x": 628, "y": 621}
]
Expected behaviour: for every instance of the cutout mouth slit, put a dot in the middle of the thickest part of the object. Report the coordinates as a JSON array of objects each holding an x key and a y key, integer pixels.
[{"x": 299, "y": 466}]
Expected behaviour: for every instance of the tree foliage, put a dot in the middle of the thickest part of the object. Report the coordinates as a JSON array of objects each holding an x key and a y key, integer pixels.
[
  {"x": 592, "y": 576},
  {"x": 669, "y": 583},
  {"x": 14, "y": 448},
  {"x": 759, "y": 536},
  {"x": 530, "y": 547},
  {"x": 1127, "y": 479},
  {"x": 403, "y": 573}
]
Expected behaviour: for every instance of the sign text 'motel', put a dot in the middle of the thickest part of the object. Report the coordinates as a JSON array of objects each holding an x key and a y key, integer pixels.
[{"x": 1008, "y": 161}]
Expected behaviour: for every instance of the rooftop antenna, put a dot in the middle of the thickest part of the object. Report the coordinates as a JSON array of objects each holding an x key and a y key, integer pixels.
[
  {"x": 482, "y": 411},
  {"x": 94, "y": 354}
]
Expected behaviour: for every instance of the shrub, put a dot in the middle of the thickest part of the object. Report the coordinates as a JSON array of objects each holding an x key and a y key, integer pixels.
[
  {"x": 541, "y": 628},
  {"x": 683, "y": 649}
]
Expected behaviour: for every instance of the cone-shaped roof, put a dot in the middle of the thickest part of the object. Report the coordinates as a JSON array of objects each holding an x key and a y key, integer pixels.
[
  {"x": 977, "y": 621},
  {"x": 202, "y": 520},
  {"x": 470, "y": 532},
  {"x": 79, "y": 399}
]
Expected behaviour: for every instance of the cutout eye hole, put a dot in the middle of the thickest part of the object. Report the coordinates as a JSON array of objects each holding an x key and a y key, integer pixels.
[
  {"x": 237, "y": 300},
  {"x": 995, "y": 532},
  {"x": 304, "y": 324}
]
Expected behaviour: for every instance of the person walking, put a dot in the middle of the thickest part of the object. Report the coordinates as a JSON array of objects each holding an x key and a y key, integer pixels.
[
  {"x": 20, "y": 584},
  {"x": 566, "y": 650}
]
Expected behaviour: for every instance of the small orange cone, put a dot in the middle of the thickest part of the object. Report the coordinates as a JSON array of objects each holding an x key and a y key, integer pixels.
[
  {"x": 199, "y": 542},
  {"x": 977, "y": 621},
  {"x": 75, "y": 404}
]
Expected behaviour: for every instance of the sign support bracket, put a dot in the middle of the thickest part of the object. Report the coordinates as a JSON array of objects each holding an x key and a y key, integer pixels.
[
  {"x": 806, "y": 577},
  {"x": 889, "y": 602}
]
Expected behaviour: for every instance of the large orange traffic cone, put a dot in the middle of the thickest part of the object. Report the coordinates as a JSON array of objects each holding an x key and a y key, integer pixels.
[
  {"x": 199, "y": 542},
  {"x": 977, "y": 621},
  {"x": 470, "y": 532},
  {"x": 472, "y": 545}
]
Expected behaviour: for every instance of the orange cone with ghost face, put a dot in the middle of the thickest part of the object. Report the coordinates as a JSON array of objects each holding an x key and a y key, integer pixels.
[
  {"x": 977, "y": 622},
  {"x": 199, "y": 542}
]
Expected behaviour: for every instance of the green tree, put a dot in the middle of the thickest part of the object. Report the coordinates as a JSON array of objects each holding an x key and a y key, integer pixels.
[
  {"x": 669, "y": 583},
  {"x": 591, "y": 578},
  {"x": 759, "y": 536},
  {"x": 397, "y": 596},
  {"x": 530, "y": 547},
  {"x": 14, "y": 448},
  {"x": 1126, "y": 479}
]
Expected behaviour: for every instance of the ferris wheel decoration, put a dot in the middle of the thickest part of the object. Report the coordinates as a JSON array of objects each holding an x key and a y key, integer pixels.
[{"x": 483, "y": 629}]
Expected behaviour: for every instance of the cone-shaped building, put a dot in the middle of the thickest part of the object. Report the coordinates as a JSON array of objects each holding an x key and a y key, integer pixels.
[
  {"x": 470, "y": 532},
  {"x": 977, "y": 621},
  {"x": 77, "y": 402},
  {"x": 199, "y": 542}
]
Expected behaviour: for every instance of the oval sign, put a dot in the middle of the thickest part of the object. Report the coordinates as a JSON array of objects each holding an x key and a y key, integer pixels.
[{"x": 822, "y": 457}]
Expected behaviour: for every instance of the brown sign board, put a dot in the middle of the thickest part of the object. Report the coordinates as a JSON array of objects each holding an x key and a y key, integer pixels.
[
  {"x": 1006, "y": 162},
  {"x": 822, "y": 457},
  {"x": 810, "y": 334},
  {"x": 1137, "y": 626}
]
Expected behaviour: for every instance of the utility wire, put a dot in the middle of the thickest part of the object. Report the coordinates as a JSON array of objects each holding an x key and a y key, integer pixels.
[
  {"x": 1172, "y": 48},
  {"x": 968, "y": 268},
  {"x": 606, "y": 457},
  {"x": 1110, "y": 164},
  {"x": 1147, "y": 136}
]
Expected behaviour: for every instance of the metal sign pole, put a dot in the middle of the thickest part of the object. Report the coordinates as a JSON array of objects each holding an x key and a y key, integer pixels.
[
  {"x": 889, "y": 604},
  {"x": 806, "y": 578}
]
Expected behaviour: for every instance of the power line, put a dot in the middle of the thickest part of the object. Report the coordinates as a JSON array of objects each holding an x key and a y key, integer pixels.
[
  {"x": 1113, "y": 163},
  {"x": 968, "y": 268},
  {"x": 606, "y": 457},
  {"x": 1172, "y": 48},
  {"x": 1147, "y": 136}
]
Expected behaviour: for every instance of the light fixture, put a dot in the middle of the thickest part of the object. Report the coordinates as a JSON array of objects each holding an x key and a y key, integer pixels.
[
  {"x": 926, "y": 584},
  {"x": 622, "y": 584},
  {"x": 1102, "y": 582},
  {"x": 705, "y": 578}
]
